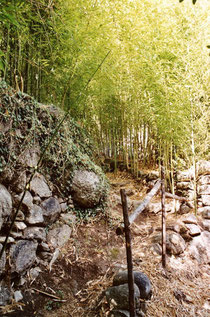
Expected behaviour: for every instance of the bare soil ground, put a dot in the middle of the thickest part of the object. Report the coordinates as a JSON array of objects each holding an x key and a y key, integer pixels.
[{"x": 95, "y": 253}]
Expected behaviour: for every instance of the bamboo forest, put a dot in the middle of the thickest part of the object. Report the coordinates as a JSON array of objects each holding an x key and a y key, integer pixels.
[{"x": 104, "y": 158}]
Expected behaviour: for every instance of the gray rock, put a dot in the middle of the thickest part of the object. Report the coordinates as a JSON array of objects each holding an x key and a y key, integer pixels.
[
  {"x": 140, "y": 279},
  {"x": 205, "y": 200},
  {"x": 154, "y": 207},
  {"x": 2, "y": 260},
  {"x": 184, "y": 209},
  {"x": 184, "y": 185},
  {"x": 20, "y": 216},
  {"x": 18, "y": 296},
  {"x": 35, "y": 215},
  {"x": 118, "y": 296},
  {"x": 204, "y": 179},
  {"x": 175, "y": 244},
  {"x": 36, "y": 233},
  {"x": 44, "y": 247},
  {"x": 5, "y": 295},
  {"x": 199, "y": 247},
  {"x": 19, "y": 225},
  {"x": 5, "y": 202},
  {"x": 38, "y": 186},
  {"x": 194, "y": 230},
  {"x": 27, "y": 202},
  {"x": 183, "y": 176},
  {"x": 204, "y": 189},
  {"x": 34, "y": 272},
  {"x": 190, "y": 219},
  {"x": 57, "y": 237},
  {"x": 64, "y": 207},
  {"x": 68, "y": 218},
  {"x": 30, "y": 157},
  {"x": 23, "y": 255},
  {"x": 206, "y": 212},
  {"x": 87, "y": 189},
  {"x": 18, "y": 184},
  {"x": 37, "y": 200},
  {"x": 206, "y": 224},
  {"x": 51, "y": 209},
  {"x": 203, "y": 167},
  {"x": 153, "y": 175},
  {"x": 10, "y": 239}
]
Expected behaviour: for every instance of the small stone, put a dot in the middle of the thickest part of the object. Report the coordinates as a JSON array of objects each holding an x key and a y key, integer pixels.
[
  {"x": 20, "y": 216},
  {"x": 37, "y": 200},
  {"x": 27, "y": 202},
  {"x": 199, "y": 247},
  {"x": 5, "y": 295},
  {"x": 68, "y": 218},
  {"x": 46, "y": 256},
  {"x": 205, "y": 200},
  {"x": 190, "y": 219},
  {"x": 44, "y": 246},
  {"x": 194, "y": 230},
  {"x": 19, "y": 225},
  {"x": 5, "y": 202},
  {"x": 206, "y": 224},
  {"x": 34, "y": 272},
  {"x": 184, "y": 176},
  {"x": 18, "y": 296},
  {"x": 51, "y": 209},
  {"x": 2, "y": 261},
  {"x": 184, "y": 185},
  {"x": 59, "y": 236},
  {"x": 15, "y": 235},
  {"x": 64, "y": 207},
  {"x": 35, "y": 216},
  {"x": 206, "y": 212},
  {"x": 184, "y": 209},
  {"x": 204, "y": 179},
  {"x": 18, "y": 182},
  {"x": 204, "y": 189},
  {"x": 36, "y": 233},
  {"x": 10, "y": 239}
]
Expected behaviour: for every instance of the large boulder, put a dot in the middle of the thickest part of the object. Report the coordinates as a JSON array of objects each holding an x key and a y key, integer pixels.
[
  {"x": 23, "y": 255},
  {"x": 119, "y": 296},
  {"x": 140, "y": 279},
  {"x": 87, "y": 189}
]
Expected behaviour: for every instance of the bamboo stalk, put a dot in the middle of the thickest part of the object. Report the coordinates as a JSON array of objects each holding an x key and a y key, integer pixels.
[
  {"x": 163, "y": 217},
  {"x": 128, "y": 253}
]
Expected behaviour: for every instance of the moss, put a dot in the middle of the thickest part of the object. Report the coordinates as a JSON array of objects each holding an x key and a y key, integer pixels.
[{"x": 24, "y": 124}]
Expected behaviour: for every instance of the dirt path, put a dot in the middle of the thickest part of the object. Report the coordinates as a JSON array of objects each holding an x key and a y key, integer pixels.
[{"x": 95, "y": 253}]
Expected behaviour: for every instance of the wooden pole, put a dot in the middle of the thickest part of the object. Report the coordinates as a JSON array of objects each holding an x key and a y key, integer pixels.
[
  {"x": 129, "y": 254},
  {"x": 163, "y": 217}
]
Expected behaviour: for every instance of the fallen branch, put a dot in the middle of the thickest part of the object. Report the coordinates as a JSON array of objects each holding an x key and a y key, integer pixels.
[
  {"x": 169, "y": 195},
  {"x": 50, "y": 295},
  {"x": 141, "y": 207}
]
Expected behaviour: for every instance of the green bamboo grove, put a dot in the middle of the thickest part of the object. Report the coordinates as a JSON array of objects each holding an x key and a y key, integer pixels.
[{"x": 149, "y": 100}]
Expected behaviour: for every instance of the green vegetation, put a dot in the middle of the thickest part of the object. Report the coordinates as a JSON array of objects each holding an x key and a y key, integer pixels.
[{"x": 149, "y": 100}]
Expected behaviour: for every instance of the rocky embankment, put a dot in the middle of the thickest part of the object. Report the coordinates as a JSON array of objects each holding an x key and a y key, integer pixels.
[{"x": 67, "y": 183}]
